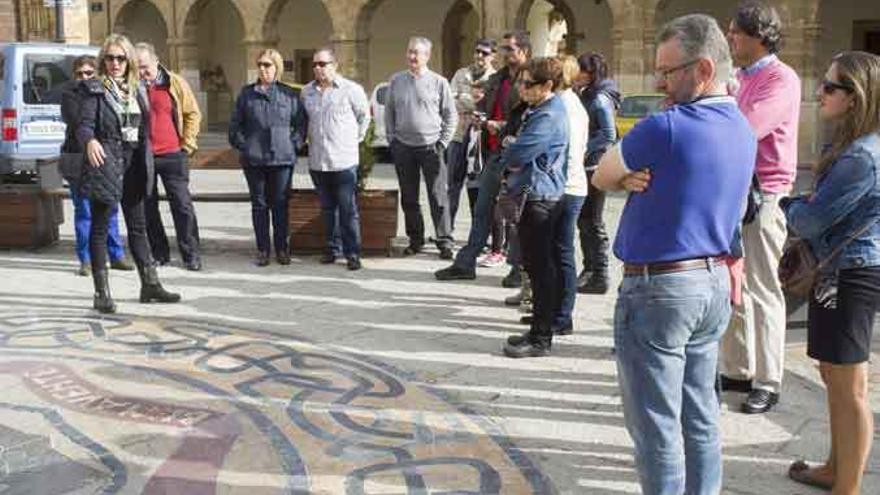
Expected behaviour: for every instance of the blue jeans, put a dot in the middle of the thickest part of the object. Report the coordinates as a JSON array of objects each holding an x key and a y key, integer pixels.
[
  {"x": 490, "y": 185},
  {"x": 339, "y": 210},
  {"x": 666, "y": 333},
  {"x": 82, "y": 223},
  {"x": 268, "y": 186},
  {"x": 564, "y": 242}
]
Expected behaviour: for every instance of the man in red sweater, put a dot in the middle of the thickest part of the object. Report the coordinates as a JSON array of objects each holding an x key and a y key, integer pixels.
[{"x": 174, "y": 127}]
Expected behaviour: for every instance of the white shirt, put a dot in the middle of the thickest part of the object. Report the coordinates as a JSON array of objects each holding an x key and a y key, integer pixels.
[{"x": 579, "y": 130}]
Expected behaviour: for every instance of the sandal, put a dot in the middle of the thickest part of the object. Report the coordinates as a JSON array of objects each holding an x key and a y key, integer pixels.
[{"x": 799, "y": 471}]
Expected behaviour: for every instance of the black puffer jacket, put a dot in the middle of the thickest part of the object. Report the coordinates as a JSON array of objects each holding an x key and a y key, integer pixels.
[{"x": 99, "y": 121}]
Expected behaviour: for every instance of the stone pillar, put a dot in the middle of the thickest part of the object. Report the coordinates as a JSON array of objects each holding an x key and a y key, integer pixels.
[
  {"x": 8, "y": 21},
  {"x": 629, "y": 41},
  {"x": 800, "y": 52},
  {"x": 353, "y": 57},
  {"x": 494, "y": 18},
  {"x": 76, "y": 22}
]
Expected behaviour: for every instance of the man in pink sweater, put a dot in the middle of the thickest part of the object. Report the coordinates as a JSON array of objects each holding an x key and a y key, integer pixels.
[{"x": 769, "y": 95}]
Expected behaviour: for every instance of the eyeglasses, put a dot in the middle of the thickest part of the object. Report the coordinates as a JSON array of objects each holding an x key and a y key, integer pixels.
[
  {"x": 482, "y": 53},
  {"x": 829, "y": 87},
  {"x": 118, "y": 58},
  {"x": 321, "y": 63},
  {"x": 665, "y": 73},
  {"x": 528, "y": 83},
  {"x": 265, "y": 65},
  {"x": 84, "y": 73},
  {"x": 508, "y": 48}
]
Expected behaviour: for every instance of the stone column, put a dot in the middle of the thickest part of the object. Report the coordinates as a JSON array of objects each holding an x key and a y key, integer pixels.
[
  {"x": 495, "y": 19},
  {"x": 629, "y": 40},
  {"x": 353, "y": 57},
  {"x": 76, "y": 22}
]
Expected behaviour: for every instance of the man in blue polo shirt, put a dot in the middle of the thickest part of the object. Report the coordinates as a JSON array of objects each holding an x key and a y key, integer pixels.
[{"x": 689, "y": 168}]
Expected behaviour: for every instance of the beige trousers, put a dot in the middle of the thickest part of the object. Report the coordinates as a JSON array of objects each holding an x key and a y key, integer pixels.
[{"x": 754, "y": 345}]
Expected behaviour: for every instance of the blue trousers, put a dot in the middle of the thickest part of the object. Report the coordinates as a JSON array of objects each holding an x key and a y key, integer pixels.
[
  {"x": 82, "y": 222},
  {"x": 564, "y": 244},
  {"x": 339, "y": 210},
  {"x": 268, "y": 186}
]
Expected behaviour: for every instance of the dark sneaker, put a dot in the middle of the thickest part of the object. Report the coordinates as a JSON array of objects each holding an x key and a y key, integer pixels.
[
  {"x": 121, "y": 264},
  {"x": 353, "y": 263},
  {"x": 282, "y": 258},
  {"x": 518, "y": 339},
  {"x": 328, "y": 258},
  {"x": 514, "y": 300},
  {"x": 455, "y": 273},
  {"x": 526, "y": 349},
  {"x": 513, "y": 280},
  {"x": 262, "y": 259},
  {"x": 193, "y": 265},
  {"x": 526, "y": 319},
  {"x": 445, "y": 253},
  {"x": 760, "y": 401},
  {"x": 566, "y": 329},
  {"x": 734, "y": 385},
  {"x": 412, "y": 249},
  {"x": 85, "y": 270},
  {"x": 597, "y": 284}
]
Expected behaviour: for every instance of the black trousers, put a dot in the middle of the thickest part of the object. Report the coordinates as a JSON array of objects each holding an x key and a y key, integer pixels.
[
  {"x": 133, "y": 195},
  {"x": 591, "y": 227},
  {"x": 174, "y": 171},
  {"x": 410, "y": 162},
  {"x": 536, "y": 234}
]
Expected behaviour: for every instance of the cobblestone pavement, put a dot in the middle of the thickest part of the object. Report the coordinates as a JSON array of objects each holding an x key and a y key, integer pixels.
[{"x": 314, "y": 379}]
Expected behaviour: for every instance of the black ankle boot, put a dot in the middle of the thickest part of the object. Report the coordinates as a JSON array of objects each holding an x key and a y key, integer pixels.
[
  {"x": 102, "y": 300},
  {"x": 151, "y": 289},
  {"x": 596, "y": 284}
]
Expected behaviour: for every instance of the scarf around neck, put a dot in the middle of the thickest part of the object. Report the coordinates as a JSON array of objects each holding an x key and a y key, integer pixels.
[{"x": 123, "y": 101}]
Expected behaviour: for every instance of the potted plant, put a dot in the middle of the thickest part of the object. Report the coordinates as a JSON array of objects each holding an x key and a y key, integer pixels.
[{"x": 377, "y": 207}]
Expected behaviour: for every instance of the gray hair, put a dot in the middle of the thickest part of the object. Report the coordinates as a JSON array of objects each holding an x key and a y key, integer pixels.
[
  {"x": 421, "y": 41},
  {"x": 329, "y": 50},
  {"x": 143, "y": 46},
  {"x": 700, "y": 37}
]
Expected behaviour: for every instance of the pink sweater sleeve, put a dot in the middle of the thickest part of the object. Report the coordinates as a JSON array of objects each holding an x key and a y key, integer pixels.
[{"x": 769, "y": 102}]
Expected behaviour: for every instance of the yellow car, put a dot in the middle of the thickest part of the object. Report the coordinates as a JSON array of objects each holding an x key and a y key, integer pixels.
[{"x": 634, "y": 108}]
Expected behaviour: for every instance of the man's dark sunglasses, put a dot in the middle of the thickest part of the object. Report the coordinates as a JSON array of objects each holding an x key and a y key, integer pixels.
[
  {"x": 119, "y": 58},
  {"x": 321, "y": 64},
  {"x": 829, "y": 87},
  {"x": 84, "y": 73},
  {"x": 483, "y": 53}
]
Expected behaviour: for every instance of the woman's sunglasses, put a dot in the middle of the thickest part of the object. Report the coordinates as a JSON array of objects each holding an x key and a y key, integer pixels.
[
  {"x": 84, "y": 73},
  {"x": 119, "y": 58},
  {"x": 528, "y": 83},
  {"x": 829, "y": 87},
  {"x": 264, "y": 65}
]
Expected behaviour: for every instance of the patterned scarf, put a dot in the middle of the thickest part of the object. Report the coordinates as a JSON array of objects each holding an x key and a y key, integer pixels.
[{"x": 123, "y": 101}]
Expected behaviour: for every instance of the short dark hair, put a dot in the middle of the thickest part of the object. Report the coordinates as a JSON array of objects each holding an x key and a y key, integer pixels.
[
  {"x": 85, "y": 60},
  {"x": 545, "y": 69},
  {"x": 595, "y": 64},
  {"x": 522, "y": 40},
  {"x": 760, "y": 20}
]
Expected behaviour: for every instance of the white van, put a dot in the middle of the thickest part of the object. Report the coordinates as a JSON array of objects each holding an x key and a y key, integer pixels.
[{"x": 32, "y": 76}]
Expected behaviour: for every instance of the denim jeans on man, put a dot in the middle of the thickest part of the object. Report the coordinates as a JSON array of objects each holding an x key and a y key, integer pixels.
[
  {"x": 666, "y": 333},
  {"x": 564, "y": 244},
  {"x": 336, "y": 192},
  {"x": 408, "y": 162},
  {"x": 268, "y": 186},
  {"x": 490, "y": 185},
  {"x": 82, "y": 220}
]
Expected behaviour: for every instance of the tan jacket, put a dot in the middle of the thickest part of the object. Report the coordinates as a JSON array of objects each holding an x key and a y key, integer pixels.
[{"x": 187, "y": 117}]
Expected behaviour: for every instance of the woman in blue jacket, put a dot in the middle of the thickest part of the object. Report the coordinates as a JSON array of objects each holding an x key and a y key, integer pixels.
[
  {"x": 845, "y": 299},
  {"x": 267, "y": 128},
  {"x": 536, "y": 173}
]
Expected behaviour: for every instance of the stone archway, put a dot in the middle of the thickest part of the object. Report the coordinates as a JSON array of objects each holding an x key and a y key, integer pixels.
[
  {"x": 214, "y": 33},
  {"x": 141, "y": 20},
  {"x": 721, "y": 10},
  {"x": 298, "y": 28},
  {"x": 461, "y": 29},
  {"x": 551, "y": 25}
]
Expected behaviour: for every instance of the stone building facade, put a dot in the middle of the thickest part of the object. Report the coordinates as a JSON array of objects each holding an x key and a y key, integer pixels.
[
  {"x": 8, "y": 21},
  {"x": 213, "y": 42}
]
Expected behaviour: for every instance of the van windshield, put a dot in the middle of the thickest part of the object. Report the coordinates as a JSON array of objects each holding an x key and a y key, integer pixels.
[{"x": 44, "y": 77}]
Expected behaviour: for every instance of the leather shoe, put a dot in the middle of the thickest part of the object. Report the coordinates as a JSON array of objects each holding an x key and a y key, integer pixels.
[
  {"x": 514, "y": 300},
  {"x": 262, "y": 259},
  {"x": 445, "y": 253},
  {"x": 328, "y": 258},
  {"x": 526, "y": 319},
  {"x": 455, "y": 273},
  {"x": 513, "y": 280},
  {"x": 735, "y": 385},
  {"x": 353, "y": 263},
  {"x": 412, "y": 249},
  {"x": 526, "y": 349},
  {"x": 566, "y": 329},
  {"x": 282, "y": 258},
  {"x": 760, "y": 401},
  {"x": 193, "y": 265},
  {"x": 85, "y": 270}
]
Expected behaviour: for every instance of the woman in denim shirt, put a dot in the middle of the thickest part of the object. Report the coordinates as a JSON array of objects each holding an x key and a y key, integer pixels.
[
  {"x": 535, "y": 167},
  {"x": 844, "y": 301},
  {"x": 267, "y": 128}
]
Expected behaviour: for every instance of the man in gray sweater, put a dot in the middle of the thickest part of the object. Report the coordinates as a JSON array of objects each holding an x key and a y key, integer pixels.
[{"x": 420, "y": 118}]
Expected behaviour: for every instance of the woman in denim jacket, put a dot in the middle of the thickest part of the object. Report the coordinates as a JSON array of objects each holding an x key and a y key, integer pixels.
[
  {"x": 535, "y": 166},
  {"x": 844, "y": 301},
  {"x": 267, "y": 128}
]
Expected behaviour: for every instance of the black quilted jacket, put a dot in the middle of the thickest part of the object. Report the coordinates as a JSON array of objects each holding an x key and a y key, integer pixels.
[{"x": 99, "y": 121}]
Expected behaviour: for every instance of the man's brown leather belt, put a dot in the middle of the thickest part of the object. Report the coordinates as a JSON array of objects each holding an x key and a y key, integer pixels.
[{"x": 671, "y": 266}]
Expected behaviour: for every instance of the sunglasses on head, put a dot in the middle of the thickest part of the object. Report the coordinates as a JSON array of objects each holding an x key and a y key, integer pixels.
[
  {"x": 829, "y": 87},
  {"x": 321, "y": 63},
  {"x": 118, "y": 58},
  {"x": 84, "y": 73},
  {"x": 529, "y": 83},
  {"x": 265, "y": 65}
]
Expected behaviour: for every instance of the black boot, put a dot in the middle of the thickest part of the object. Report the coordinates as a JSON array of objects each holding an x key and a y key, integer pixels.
[
  {"x": 102, "y": 300},
  {"x": 151, "y": 289},
  {"x": 597, "y": 283}
]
